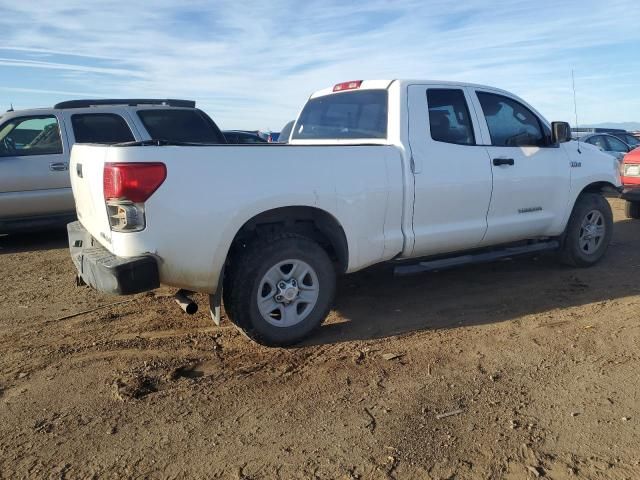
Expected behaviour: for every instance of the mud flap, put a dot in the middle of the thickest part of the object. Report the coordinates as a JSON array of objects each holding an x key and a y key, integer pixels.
[{"x": 215, "y": 302}]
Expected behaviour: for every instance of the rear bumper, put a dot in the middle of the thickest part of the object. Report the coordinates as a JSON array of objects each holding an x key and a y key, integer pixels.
[
  {"x": 631, "y": 194},
  {"x": 106, "y": 272}
]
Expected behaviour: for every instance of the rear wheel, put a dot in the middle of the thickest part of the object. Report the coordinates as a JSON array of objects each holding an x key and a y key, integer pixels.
[
  {"x": 588, "y": 232},
  {"x": 281, "y": 289},
  {"x": 632, "y": 209}
]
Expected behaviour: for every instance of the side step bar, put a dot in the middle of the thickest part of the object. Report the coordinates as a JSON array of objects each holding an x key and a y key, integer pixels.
[{"x": 485, "y": 257}]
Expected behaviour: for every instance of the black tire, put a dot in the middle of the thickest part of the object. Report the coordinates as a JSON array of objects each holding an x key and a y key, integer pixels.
[
  {"x": 632, "y": 209},
  {"x": 249, "y": 270},
  {"x": 574, "y": 251}
]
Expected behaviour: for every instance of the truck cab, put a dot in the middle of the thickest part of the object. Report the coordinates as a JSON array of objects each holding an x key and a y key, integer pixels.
[{"x": 487, "y": 151}]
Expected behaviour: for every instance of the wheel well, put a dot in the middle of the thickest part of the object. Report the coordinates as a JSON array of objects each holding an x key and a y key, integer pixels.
[
  {"x": 310, "y": 222},
  {"x": 600, "y": 187}
]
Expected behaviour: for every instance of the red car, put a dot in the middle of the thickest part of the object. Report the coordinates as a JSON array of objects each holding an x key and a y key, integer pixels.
[{"x": 630, "y": 176}]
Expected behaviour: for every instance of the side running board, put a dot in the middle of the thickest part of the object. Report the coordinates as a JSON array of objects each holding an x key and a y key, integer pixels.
[{"x": 485, "y": 257}]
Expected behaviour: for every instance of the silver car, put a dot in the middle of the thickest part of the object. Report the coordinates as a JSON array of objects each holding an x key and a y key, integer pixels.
[
  {"x": 35, "y": 189},
  {"x": 608, "y": 144}
]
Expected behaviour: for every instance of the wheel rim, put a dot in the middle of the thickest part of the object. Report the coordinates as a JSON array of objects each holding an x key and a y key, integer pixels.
[
  {"x": 288, "y": 293},
  {"x": 592, "y": 232}
]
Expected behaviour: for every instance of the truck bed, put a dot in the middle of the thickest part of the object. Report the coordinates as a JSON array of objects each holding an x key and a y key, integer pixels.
[{"x": 211, "y": 191}]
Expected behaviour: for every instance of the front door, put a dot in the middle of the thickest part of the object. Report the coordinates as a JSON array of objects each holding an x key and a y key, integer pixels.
[
  {"x": 451, "y": 170},
  {"x": 531, "y": 177},
  {"x": 34, "y": 176}
]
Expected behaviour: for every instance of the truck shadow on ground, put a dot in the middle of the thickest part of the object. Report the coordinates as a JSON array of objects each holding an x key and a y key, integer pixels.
[
  {"x": 374, "y": 304},
  {"x": 30, "y": 242}
]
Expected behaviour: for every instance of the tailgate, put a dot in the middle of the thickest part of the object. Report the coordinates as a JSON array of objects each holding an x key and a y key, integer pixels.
[{"x": 86, "y": 170}]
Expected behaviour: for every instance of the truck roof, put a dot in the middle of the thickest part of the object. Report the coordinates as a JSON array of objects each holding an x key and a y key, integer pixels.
[{"x": 385, "y": 84}]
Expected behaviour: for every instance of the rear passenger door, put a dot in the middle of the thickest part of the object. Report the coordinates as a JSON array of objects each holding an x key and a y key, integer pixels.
[
  {"x": 531, "y": 176},
  {"x": 451, "y": 170}
]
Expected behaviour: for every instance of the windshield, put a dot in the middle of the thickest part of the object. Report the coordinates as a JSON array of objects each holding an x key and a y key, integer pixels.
[{"x": 348, "y": 115}]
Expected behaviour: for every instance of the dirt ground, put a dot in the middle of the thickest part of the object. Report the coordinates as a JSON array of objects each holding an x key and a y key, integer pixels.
[{"x": 518, "y": 369}]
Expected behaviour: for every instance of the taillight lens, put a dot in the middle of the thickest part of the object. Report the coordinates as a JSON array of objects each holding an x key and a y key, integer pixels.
[
  {"x": 134, "y": 182},
  {"x": 126, "y": 187}
]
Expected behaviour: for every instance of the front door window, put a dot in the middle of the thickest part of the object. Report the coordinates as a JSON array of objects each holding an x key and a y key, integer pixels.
[{"x": 30, "y": 136}]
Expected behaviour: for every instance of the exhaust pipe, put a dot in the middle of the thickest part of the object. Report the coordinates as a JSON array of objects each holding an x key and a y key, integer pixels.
[{"x": 186, "y": 304}]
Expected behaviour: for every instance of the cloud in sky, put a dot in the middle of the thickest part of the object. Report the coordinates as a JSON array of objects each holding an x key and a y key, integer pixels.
[{"x": 253, "y": 64}]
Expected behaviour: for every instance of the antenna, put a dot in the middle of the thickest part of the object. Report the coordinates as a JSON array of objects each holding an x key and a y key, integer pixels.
[
  {"x": 575, "y": 107},
  {"x": 10, "y": 109}
]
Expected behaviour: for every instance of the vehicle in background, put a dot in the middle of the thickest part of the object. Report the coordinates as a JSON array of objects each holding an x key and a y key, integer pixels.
[
  {"x": 428, "y": 175},
  {"x": 242, "y": 136},
  {"x": 607, "y": 143},
  {"x": 628, "y": 138},
  {"x": 630, "y": 176},
  {"x": 35, "y": 145},
  {"x": 584, "y": 130},
  {"x": 285, "y": 133},
  {"x": 273, "y": 137}
]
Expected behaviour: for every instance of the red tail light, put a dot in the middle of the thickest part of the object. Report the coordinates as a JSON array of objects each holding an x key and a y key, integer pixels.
[
  {"x": 352, "y": 85},
  {"x": 135, "y": 182}
]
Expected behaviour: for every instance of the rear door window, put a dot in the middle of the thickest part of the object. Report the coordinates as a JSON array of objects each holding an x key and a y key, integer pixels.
[
  {"x": 100, "y": 128},
  {"x": 180, "y": 125},
  {"x": 449, "y": 119},
  {"x": 347, "y": 115},
  {"x": 36, "y": 135}
]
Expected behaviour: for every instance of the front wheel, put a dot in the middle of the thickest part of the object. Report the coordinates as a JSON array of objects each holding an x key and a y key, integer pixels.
[
  {"x": 588, "y": 231},
  {"x": 281, "y": 289},
  {"x": 632, "y": 209}
]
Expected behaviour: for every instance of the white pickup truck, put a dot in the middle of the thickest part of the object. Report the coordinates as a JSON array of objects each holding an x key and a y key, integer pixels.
[{"x": 426, "y": 174}]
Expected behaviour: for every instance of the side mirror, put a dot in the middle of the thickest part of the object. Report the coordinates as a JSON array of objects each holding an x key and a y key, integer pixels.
[{"x": 560, "y": 132}]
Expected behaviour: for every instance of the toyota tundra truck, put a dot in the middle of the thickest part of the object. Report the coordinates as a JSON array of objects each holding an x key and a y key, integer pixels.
[{"x": 428, "y": 175}]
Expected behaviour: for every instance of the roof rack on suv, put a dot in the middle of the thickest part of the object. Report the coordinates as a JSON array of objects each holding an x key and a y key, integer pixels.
[{"x": 125, "y": 101}]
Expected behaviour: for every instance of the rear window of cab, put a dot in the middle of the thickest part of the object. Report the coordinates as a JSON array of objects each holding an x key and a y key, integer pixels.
[{"x": 345, "y": 115}]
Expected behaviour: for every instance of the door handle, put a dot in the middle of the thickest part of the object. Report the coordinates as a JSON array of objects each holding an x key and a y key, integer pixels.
[
  {"x": 58, "y": 167},
  {"x": 503, "y": 161}
]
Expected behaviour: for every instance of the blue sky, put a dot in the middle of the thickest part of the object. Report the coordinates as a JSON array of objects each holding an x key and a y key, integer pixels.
[{"x": 253, "y": 64}]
